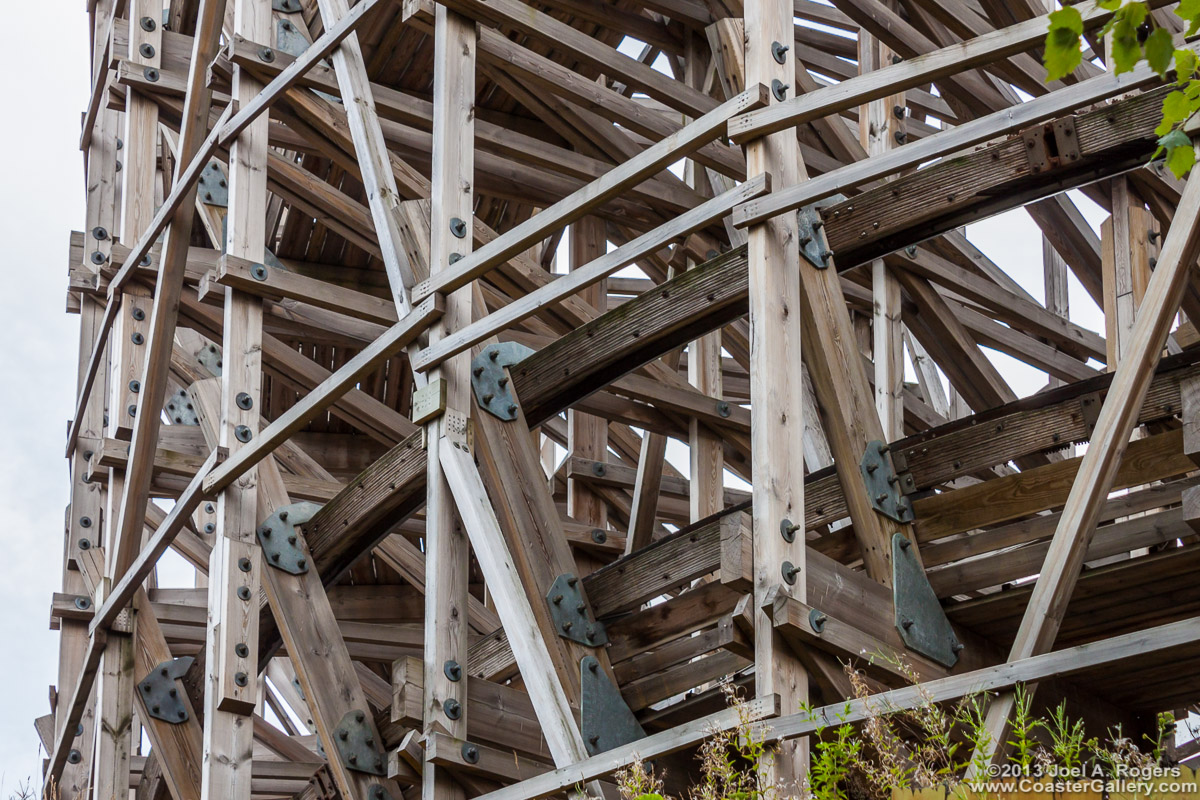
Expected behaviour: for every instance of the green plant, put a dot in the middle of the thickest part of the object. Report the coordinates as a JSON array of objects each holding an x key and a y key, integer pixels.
[
  {"x": 1135, "y": 36},
  {"x": 1023, "y": 727},
  {"x": 919, "y": 746},
  {"x": 835, "y": 753}
]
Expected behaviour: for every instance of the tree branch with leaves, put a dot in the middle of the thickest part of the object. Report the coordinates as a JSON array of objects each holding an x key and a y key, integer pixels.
[{"x": 1134, "y": 36}]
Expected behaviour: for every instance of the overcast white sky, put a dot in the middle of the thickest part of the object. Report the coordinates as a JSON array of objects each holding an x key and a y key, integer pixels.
[{"x": 41, "y": 200}]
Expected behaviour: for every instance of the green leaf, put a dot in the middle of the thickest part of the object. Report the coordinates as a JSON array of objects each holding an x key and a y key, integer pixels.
[
  {"x": 1181, "y": 159},
  {"x": 1160, "y": 50},
  {"x": 1175, "y": 139},
  {"x": 1189, "y": 12},
  {"x": 1109, "y": 5},
  {"x": 1176, "y": 108},
  {"x": 1185, "y": 66},
  {"x": 1062, "y": 53},
  {"x": 1126, "y": 51},
  {"x": 1180, "y": 153},
  {"x": 1134, "y": 13}
]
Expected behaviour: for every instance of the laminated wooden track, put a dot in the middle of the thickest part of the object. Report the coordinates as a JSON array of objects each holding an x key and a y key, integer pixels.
[{"x": 392, "y": 312}]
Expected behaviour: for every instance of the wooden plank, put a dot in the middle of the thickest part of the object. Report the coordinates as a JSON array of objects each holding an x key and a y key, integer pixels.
[
  {"x": 540, "y": 675},
  {"x": 1111, "y": 140},
  {"x": 1099, "y": 467},
  {"x": 911, "y": 73},
  {"x": 231, "y": 641},
  {"x": 447, "y": 559},
  {"x": 1021, "y": 494},
  {"x": 372, "y": 156},
  {"x": 365, "y": 362},
  {"x": 595, "y": 270},
  {"x": 591, "y": 356},
  {"x": 942, "y": 143},
  {"x": 1029, "y": 670},
  {"x": 570, "y": 208}
]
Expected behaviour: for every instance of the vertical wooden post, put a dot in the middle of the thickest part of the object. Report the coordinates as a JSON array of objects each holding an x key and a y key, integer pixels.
[
  {"x": 116, "y": 678},
  {"x": 235, "y": 564},
  {"x": 83, "y": 521},
  {"x": 1125, "y": 268},
  {"x": 777, "y": 418},
  {"x": 881, "y": 128},
  {"x": 706, "y": 493},
  {"x": 587, "y": 434},
  {"x": 447, "y": 551}
]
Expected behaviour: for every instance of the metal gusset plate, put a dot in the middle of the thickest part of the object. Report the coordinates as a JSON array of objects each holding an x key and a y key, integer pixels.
[
  {"x": 811, "y": 229},
  {"x": 357, "y": 746},
  {"x": 179, "y": 409},
  {"x": 279, "y": 540},
  {"x": 886, "y": 489},
  {"x": 286, "y": 6},
  {"x": 209, "y": 357},
  {"x": 572, "y": 618},
  {"x": 919, "y": 615},
  {"x": 490, "y": 381},
  {"x": 289, "y": 39},
  {"x": 213, "y": 187},
  {"x": 161, "y": 695},
  {"x": 606, "y": 721}
]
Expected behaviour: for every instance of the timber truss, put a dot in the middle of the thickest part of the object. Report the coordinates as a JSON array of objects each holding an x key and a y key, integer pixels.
[{"x": 355, "y": 277}]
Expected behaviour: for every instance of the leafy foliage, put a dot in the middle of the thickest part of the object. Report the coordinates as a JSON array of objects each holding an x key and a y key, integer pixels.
[
  {"x": 925, "y": 745},
  {"x": 1135, "y": 36}
]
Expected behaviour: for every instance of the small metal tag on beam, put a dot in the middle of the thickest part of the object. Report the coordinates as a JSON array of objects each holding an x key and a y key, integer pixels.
[
  {"x": 920, "y": 618},
  {"x": 279, "y": 540},
  {"x": 605, "y": 719},
  {"x": 490, "y": 382},
  {"x": 429, "y": 401},
  {"x": 161, "y": 695}
]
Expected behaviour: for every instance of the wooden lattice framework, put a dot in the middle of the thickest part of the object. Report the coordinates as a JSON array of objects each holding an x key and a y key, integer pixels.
[{"x": 312, "y": 226}]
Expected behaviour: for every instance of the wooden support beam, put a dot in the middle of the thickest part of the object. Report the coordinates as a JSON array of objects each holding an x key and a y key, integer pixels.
[
  {"x": 236, "y": 564},
  {"x": 570, "y": 208},
  {"x": 777, "y": 413},
  {"x": 587, "y": 434},
  {"x": 1030, "y": 670},
  {"x": 944, "y": 142},
  {"x": 373, "y": 160},
  {"x": 542, "y": 677},
  {"x": 1118, "y": 416},
  {"x": 447, "y": 546}
]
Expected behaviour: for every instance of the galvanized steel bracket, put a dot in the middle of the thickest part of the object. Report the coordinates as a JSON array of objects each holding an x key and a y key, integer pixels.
[
  {"x": 161, "y": 695},
  {"x": 213, "y": 188},
  {"x": 179, "y": 409},
  {"x": 286, "y": 6},
  {"x": 810, "y": 227},
  {"x": 209, "y": 357},
  {"x": 886, "y": 489},
  {"x": 572, "y": 618},
  {"x": 357, "y": 746},
  {"x": 288, "y": 39},
  {"x": 279, "y": 540},
  {"x": 605, "y": 719},
  {"x": 490, "y": 382},
  {"x": 920, "y": 619}
]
